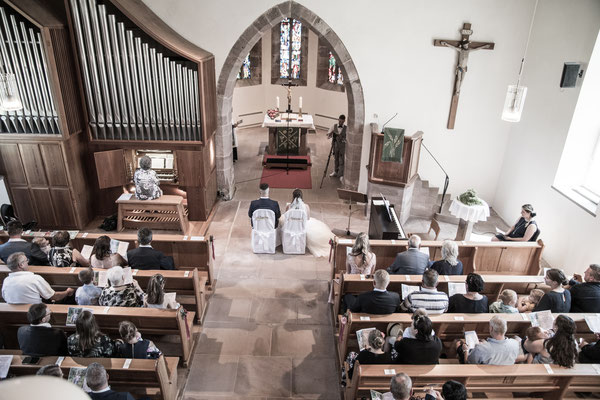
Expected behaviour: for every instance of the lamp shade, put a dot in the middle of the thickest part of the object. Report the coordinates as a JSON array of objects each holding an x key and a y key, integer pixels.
[
  {"x": 9, "y": 93},
  {"x": 514, "y": 102}
]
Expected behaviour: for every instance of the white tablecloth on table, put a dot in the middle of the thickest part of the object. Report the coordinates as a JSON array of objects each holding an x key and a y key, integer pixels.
[
  {"x": 470, "y": 213},
  {"x": 279, "y": 122}
]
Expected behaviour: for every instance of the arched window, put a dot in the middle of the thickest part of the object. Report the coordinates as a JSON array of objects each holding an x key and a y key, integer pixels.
[
  {"x": 329, "y": 70},
  {"x": 289, "y": 45},
  {"x": 250, "y": 72}
]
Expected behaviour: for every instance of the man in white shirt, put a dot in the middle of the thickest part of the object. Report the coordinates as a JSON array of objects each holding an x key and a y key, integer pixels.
[{"x": 25, "y": 287}]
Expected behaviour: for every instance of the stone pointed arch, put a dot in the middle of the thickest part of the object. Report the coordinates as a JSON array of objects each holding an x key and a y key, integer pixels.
[{"x": 227, "y": 79}]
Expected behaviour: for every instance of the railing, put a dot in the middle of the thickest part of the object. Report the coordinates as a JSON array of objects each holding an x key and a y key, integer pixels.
[{"x": 447, "y": 179}]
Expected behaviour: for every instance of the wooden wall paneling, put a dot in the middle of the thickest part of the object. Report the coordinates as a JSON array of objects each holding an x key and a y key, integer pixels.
[
  {"x": 211, "y": 193},
  {"x": 80, "y": 177},
  {"x": 196, "y": 203},
  {"x": 110, "y": 168},
  {"x": 54, "y": 164},
  {"x": 33, "y": 164},
  {"x": 44, "y": 208},
  {"x": 13, "y": 167},
  {"x": 189, "y": 168},
  {"x": 516, "y": 261},
  {"x": 23, "y": 204},
  {"x": 64, "y": 208},
  {"x": 208, "y": 90},
  {"x": 487, "y": 261}
]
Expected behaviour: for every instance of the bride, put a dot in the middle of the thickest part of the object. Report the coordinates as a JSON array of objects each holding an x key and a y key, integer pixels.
[{"x": 318, "y": 233}]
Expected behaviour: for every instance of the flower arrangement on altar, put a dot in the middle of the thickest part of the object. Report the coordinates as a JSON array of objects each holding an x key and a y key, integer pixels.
[
  {"x": 273, "y": 113},
  {"x": 470, "y": 198}
]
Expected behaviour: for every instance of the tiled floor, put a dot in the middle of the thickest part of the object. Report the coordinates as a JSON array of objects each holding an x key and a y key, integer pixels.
[{"x": 268, "y": 332}]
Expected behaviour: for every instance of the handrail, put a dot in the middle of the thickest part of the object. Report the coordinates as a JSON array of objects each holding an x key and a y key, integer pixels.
[{"x": 446, "y": 181}]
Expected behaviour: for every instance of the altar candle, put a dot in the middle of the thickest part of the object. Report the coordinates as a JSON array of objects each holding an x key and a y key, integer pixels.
[
  {"x": 277, "y": 102},
  {"x": 300, "y": 102}
]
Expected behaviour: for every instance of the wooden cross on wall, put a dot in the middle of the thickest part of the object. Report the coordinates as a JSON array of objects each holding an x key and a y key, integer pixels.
[{"x": 463, "y": 47}]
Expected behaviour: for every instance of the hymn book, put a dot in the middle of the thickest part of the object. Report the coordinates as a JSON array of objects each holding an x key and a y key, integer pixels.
[
  {"x": 77, "y": 376},
  {"x": 456, "y": 287},
  {"x": 543, "y": 319},
  {"x": 5, "y": 361},
  {"x": 593, "y": 322},
  {"x": 471, "y": 339},
  {"x": 408, "y": 289},
  {"x": 362, "y": 336},
  {"x": 73, "y": 313}
]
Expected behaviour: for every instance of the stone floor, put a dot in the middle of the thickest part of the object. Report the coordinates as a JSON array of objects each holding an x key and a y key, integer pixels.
[{"x": 268, "y": 332}]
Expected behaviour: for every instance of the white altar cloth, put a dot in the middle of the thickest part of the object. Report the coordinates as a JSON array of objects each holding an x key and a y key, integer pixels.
[
  {"x": 470, "y": 213},
  {"x": 280, "y": 122}
]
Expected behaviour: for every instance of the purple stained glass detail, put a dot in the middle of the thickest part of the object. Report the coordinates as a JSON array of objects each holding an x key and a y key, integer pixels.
[
  {"x": 334, "y": 72},
  {"x": 244, "y": 72}
]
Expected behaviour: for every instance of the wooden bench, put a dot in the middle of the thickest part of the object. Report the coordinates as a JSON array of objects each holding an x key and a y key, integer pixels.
[
  {"x": 517, "y": 258},
  {"x": 149, "y": 321},
  {"x": 166, "y": 212},
  {"x": 447, "y": 327},
  {"x": 190, "y": 286},
  {"x": 154, "y": 378},
  {"x": 501, "y": 379},
  {"x": 494, "y": 285}
]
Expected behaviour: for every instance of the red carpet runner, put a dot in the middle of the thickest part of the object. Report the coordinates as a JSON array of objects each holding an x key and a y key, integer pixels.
[{"x": 292, "y": 179}]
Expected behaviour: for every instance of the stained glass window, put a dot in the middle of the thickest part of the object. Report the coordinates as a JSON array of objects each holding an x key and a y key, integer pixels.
[
  {"x": 244, "y": 72},
  {"x": 290, "y": 32},
  {"x": 334, "y": 73}
]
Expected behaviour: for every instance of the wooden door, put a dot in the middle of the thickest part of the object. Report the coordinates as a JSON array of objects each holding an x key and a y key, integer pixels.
[
  {"x": 189, "y": 167},
  {"x": 110, "y": 168}
]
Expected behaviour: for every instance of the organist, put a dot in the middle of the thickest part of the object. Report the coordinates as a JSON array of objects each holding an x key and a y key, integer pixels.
[{"x": 146, "y": 182}]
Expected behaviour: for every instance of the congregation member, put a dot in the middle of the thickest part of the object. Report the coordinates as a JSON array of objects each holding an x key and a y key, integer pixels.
[
  {"x": 361, "y": 260},
  {"x": 103, "y": 257},
  {"x": 585, "y": 294},
  {"x": 561, "y": 348},
  {"x": 496, "y": 350},
  {"x": 119, "y": 293},
  {"x": 590, "y": 352},
  {"x": 132, "y": 344},
  {"x": 472, "y": 302},
  {"x": 451, "y": 390},
  {"x": 39, "y": 338},
  {"x": 24, "y": 287},
  {"x": 145, "y": 257},
  {"x": 524, "y": 230},
  {"x": 400, "y": 388},
  {"x": 264, "y": 203},
  {"x": 506, "y": 304},
  {"x": 50, "y": 370},
  {"x": 428, "y": 297},
  {"x": 337, "y": 133},
  {"x": 88, "y": 341},
  {"x": 449, "y": 264},
  {"x": 378, "y": 301},
  {"x": 147, "y": 185},
  {"x": 411, "y": 261},
  {"x": 155, "y": 294},
  {"x": 373, "y": 354},
  {"x": 62, "y": 255},
  {"x": 557, "y": 299},
  {"x": 411, "y": 331},
  {"x": 88, "y": 294},
  {"x": 528, "y": 303},
  {"x": 425, "y": 348},
  {"x": 16, "y": 244},
  {"x": 96, "y": 378}
]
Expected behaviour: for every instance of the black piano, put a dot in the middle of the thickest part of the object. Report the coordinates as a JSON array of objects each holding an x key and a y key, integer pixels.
[{"x": 384, "y": 223}]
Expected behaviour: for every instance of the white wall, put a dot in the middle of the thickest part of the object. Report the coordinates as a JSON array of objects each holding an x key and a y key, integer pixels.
[
  {"x": 536, "y": 143},
  {"x": 251, "y": 99}
]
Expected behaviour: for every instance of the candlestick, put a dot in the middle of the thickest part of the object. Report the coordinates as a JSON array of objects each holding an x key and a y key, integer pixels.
[
  {"x": 277, "y": 102},
  {"x": 300, "y": 102}
]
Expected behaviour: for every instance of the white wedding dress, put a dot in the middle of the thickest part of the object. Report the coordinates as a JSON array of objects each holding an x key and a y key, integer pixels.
[{"x": 318, "y": 234}]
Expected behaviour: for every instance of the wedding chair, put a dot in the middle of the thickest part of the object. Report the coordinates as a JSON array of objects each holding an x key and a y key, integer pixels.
[
  {"x": 293, "y": 238},
  {"x": 264, "y": 235}
]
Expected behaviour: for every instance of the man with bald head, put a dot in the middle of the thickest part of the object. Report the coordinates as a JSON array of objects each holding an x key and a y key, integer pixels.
[{"x": 411, "y": 261}]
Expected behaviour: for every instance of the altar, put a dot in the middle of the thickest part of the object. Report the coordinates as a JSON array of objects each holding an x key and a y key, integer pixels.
[{"x": 287, "y": 134}]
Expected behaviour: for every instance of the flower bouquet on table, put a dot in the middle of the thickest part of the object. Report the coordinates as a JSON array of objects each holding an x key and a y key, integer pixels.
[
  {"x": 470, "y": 198},
  {"x": 273, "y": 113}
]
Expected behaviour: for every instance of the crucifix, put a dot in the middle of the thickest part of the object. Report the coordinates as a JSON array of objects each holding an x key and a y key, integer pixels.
[
  {"x": 463, "y": 47},
  {"x": 289, "y": 94}
]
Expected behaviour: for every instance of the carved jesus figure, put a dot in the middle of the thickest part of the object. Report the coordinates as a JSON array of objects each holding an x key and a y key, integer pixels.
[{"x": 463, "y": 58}]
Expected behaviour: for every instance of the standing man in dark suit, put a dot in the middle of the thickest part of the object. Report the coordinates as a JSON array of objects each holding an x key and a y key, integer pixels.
[
  {"x": 39, "y": 339},
  {"x": 411, "y": 261},
  {"x": 145, "y": 257},
  {"x": 16, "y": 244},
  {"x": 264, "y": 203},
  {"x": 96, "y": 378},
  {"x": 379, "y": 301}
]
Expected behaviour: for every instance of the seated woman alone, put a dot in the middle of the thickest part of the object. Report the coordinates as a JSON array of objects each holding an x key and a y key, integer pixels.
[
  {"x": 361, "y": 260},
  {"x": 156, "y": 296},
  {"x": 449, "y": 264},
  {"x": 146, "y": 181},
  {"x": 524, "y": 230},
  {"x": 472, "y": 301},
  {"x": 103, "y": 257}
]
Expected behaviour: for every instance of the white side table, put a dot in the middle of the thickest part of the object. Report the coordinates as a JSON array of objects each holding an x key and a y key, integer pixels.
[{"x": 468, "y": 216}]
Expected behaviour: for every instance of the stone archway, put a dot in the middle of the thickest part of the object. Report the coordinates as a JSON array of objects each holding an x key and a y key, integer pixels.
[{"x": 227, "y": 79}]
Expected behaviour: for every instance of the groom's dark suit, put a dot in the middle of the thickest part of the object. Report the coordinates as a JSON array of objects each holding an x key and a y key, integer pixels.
[{"x": 266, "y": 203}]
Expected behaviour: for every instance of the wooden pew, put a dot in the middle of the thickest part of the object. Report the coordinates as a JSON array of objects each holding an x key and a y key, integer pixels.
[
  {"x": 187, "y": 254},
  {"x": 447, "y": 327},
  {"x": 527, "y": 378},
  {"x": 494, "y": 285},
  {"x": 149, "y": 321},
  {"x": 155, "y": 378},
  {"x": 190, "y": 286},
  {"x": 517, "y": 258}
]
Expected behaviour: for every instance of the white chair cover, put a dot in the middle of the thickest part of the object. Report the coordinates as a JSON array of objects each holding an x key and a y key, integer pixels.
[
  {"x": 293, "y": 237},
  {"x": 264, "y": 235}
]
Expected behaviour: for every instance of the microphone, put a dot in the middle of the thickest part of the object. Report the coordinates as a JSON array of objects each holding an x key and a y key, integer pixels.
[{"x": 388, "y": 121}]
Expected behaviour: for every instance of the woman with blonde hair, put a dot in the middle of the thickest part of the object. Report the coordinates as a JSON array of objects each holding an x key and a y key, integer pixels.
[
  {"x": 132, "y": 345},
  {"x": 449, "y": 264},
  {"x": 361, "y": 259}
]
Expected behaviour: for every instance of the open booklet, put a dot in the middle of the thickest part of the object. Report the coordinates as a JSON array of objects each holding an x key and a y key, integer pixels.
[
  {"x": 5, "y": 361},
  {"x": 73, "y": 313},
  {"x": 471, "y": 339},
  {"x": 543, "y": 319},
  {"x": 77, "y": 376},
  {"x": 362, "y": 336},
  {"x": 408, "y": 289},
  {"x": 101, "y": 277},
  {"x": 593, "y": 322},
  {"x": 116, "y": 246},
  {"x": 456, "y": 287}
]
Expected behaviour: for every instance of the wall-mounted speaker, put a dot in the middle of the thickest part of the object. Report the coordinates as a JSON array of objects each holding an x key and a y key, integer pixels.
[{"x": 569, "y": 75}]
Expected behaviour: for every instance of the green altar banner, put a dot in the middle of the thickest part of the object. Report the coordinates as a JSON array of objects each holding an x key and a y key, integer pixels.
[
  {"x": 288, "y": 141},
  {"x": 393, "y": 144}
]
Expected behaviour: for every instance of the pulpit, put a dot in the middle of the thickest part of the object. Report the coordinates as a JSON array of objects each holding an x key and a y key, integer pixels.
[{"x": 287, "y": 134}]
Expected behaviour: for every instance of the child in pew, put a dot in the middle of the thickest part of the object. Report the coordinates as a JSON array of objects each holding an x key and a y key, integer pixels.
[
  {"x": 132, "y": 345},
  {"x": 88, "y": 294},
  {"x": 42, "y": 243},
  {"x": 528, "y": 303},
  {"x": 156, "y": 296},
  {"x": 506, "y": 304},
  {"x": 532, "y": 334}
]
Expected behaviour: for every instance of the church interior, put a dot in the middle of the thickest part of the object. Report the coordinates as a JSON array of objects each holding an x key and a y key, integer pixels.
[{"x": 280, "y": 158}]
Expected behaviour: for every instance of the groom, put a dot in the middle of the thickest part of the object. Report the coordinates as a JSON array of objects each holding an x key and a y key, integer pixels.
[{"x": 264, "y": 203}]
